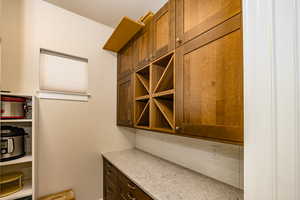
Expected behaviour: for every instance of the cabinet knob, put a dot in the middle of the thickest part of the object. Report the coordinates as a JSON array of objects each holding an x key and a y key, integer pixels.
[
  {"x": 178, "y": 40},
  {"x": 131, "y": 186}
]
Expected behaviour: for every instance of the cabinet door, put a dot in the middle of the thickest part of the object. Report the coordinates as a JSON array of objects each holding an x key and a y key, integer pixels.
[
  {"x": 194, "y": 17},
  {"x": 164, "y": 30},
  {"x": 144, "y": 46},
  {"x": 209, "y": 90},
  {"x": 125, "y": 60},
  {"x": 125, "y": 101}
]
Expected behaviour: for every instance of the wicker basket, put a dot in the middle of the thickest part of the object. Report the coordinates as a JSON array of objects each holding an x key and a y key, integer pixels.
[{"x": 65, "y": 195}]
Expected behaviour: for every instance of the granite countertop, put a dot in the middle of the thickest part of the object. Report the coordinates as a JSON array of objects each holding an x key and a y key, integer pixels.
[{"x": 163, "y": 180}]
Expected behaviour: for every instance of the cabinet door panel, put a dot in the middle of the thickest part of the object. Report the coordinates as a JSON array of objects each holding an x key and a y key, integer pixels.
[
  {"x": 210, "y": 86},
  {"x": 125, "y": 102},
  {"x": 194, "y": 17},
  {"x": 164, "y": 30},
  {"x": 125, "y": 61},
  {"x": 144, "y": 46}
]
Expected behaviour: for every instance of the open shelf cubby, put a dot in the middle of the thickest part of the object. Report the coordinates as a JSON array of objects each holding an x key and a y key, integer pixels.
[
  {"x": 166, "y": 107},
  {"x": 142, "y": 113},
  {"x": 162, "y": 74},
  {"x": 142, "y": 82},
  {"x": 158, "y": 120},
  {"x": 154, "y": 95}
]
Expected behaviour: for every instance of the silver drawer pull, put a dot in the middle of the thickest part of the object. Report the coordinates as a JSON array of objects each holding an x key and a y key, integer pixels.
[
  {"x": 131, "y": 186},
  {"x": 130, "y": 197}
]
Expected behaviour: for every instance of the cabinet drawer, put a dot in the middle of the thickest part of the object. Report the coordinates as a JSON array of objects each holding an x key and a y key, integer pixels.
[
  {"x": 130, "y": 191},
  {"x": 111, "y": 190},
  {"x": 110, "y": 172}
]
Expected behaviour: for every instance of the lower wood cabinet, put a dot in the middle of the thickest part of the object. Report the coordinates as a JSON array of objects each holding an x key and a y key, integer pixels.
[
  {"x": 125, "y": 101},
  {"x": 116, "y": 186}
]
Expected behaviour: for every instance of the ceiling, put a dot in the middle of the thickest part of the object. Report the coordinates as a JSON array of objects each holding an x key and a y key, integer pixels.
[{"x": 109, "y": 12}]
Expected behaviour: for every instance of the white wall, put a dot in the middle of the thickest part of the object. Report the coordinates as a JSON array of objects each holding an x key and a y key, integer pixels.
[
  {"x": 223, "y": 162},
  {"x": 71, "y": 134},
  {"x": 272, "y": 94}
]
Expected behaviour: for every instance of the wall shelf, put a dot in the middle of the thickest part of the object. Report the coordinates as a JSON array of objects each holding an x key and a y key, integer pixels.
[
  {"x": 24, "y": 159},
  {"x": 164, "y": 93},
  {"x": 15, "y": 120},
  {"x": 26, "y": 164},
  {"x": 26, "y": 191}
]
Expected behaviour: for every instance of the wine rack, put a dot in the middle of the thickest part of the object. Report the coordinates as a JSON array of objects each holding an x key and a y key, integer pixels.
[{"x": 154, "y": 91}]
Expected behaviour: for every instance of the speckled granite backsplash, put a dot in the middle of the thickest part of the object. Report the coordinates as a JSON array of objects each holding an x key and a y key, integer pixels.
[{"x": 163, "y": 180}]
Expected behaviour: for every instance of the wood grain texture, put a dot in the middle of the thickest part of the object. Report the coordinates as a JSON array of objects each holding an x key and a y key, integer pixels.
[
  {"x": 158, "y": 120},
  {"x": 141, "y": 82},
  {"x": 166, "y": 81},
  {"x": 142, "y": 113},
  {"x": 125, "y": 30},
  {"x": 166, "y": 108},
  {"x": 210, "y": 86},
  {"x": 163, "y": 30},
  {"x": 125, "y": 60},
  {"x": 125, "y": 101},
  {"x": 195, "y": 17},
  {"x": 144, "y": 41}
]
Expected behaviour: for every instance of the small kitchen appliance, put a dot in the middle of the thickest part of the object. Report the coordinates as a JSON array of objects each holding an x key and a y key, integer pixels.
[
  {"x": 12, "y": 107},
  {"x": 12, "y": 143}
]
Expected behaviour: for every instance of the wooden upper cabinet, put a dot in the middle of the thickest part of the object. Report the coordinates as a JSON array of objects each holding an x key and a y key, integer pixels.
[
  {"x": 209, "y": 85},
  {"x": 125, "y": 60},
  {"x": 143, "y": 46},
  {"x": 195, "y": 17},
  {"x": 163, "y": 30},
  {"x": 125, "y": 101}
]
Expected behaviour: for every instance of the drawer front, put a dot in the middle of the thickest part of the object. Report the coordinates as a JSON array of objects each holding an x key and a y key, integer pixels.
[
  {"x": 130, "y": 191},
  {"x": 111, "y": 191},
  {"x": 110, "y": 172}
]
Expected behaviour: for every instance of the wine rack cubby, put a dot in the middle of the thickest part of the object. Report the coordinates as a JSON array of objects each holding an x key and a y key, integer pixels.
[{"x": 154, "y": 106}]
